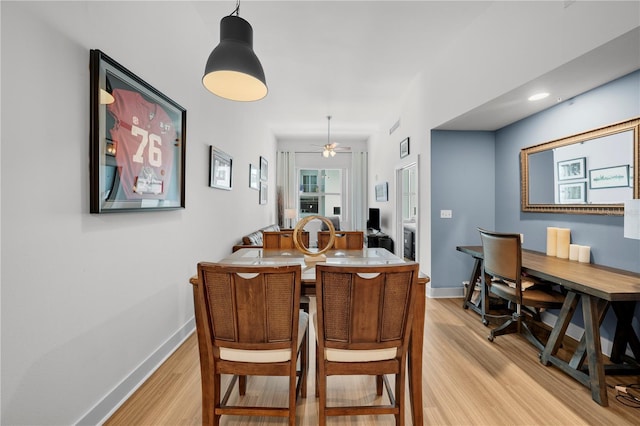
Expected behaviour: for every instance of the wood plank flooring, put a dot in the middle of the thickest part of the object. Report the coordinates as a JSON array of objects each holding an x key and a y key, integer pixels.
[{"x": 467, "y": 381}]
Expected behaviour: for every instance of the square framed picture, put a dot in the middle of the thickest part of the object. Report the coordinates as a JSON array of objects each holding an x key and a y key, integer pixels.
[
  {"x": 404, "y": 148},
  {"x": 221, "y": 168},
  {"x": 254, "y": 177},
  {"x": 572, "y": 193},
  {"x": 264, "y": 188},
  {"x": 382, "y": 191},
  {"x": 137, "y": 142},
  {"x": 264, "y": 169},
  {"x": 572, "y": 169}
]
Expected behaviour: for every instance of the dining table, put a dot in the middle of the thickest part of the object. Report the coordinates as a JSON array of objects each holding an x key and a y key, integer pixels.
[{"x": 374, "y": 256}]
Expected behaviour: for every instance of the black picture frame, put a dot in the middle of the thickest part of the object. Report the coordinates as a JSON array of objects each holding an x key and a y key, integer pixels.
[
  {"x": 572, "y": 169},
  {"x": 137, "y": 142},
  {"x": 264, "y": 169},
  {"x": 404, "y": 148},
  {"x": 610, "y": 177},
  {"x": 220, "y": 169}
]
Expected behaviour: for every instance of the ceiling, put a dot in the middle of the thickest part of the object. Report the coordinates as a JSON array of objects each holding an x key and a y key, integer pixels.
[{"x": 354, "y": 61}]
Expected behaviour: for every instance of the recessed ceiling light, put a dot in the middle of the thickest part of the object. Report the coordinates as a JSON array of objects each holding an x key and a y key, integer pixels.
[{"x": 538, "y": 96}]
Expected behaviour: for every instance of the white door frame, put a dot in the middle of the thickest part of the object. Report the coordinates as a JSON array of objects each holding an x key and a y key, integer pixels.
[{"x": 399, "y": 246}]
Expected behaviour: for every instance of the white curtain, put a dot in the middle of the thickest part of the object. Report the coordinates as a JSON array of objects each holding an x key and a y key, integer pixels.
[
  {"x": 286, "y": 183},
  {"x": 359, "y": 189}
]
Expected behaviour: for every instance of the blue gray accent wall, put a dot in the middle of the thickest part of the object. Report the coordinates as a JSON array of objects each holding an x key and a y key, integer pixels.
[{"x": 463, "y": 174}]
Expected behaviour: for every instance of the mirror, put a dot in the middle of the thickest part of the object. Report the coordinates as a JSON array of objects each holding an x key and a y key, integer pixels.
[{"x": 589, "y": 173}]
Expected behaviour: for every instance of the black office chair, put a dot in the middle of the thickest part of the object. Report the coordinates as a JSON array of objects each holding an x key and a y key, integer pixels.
[{"x": 502, "y": 276}]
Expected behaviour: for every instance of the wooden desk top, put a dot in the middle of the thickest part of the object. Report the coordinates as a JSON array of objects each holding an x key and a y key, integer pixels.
[
  {"x": 367, "y": 256},
  {"x": 603, "y": 282}
]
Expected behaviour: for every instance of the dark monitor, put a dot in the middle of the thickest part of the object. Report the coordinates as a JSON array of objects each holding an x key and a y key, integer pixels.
[{"x": 374, "y": 219}]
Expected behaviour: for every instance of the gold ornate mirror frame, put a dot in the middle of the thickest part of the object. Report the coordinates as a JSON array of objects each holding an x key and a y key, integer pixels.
[{"x": 632, "y": 126}]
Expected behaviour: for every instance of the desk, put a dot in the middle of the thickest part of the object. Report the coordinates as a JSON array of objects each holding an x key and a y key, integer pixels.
[
  {"x": 598, "y": 287},
  {"x": 366, "y": 256}
]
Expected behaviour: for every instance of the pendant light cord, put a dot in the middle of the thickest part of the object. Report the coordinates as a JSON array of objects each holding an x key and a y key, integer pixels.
[{"x": 237, "y": 9}]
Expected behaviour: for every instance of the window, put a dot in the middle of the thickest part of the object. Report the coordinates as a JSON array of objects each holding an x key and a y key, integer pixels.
[{"x": 320, "y": 192}]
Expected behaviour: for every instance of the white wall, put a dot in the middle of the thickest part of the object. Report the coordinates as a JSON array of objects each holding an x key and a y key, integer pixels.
[{"x": 86, "y": 299}]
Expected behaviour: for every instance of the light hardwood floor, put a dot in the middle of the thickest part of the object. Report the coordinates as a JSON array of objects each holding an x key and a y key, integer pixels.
[{"x": 467, "y": 380}]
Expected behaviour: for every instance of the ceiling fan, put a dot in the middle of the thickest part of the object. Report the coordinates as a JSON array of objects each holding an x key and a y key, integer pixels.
[{"x": 330, "y": 148}]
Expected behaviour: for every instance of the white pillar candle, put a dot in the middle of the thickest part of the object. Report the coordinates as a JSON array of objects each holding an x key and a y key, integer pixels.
[
  {"x": 574, "y": 249},
  {"x": 552, "y": 241},
  {"x": 584, "y": 255},
  {"x": 564, "y": 237}
]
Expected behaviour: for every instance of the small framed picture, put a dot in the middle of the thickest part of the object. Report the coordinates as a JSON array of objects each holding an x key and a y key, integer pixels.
[
  {"x": 382, "y": 191},
  {"x": 220, "y": 170},
  {"x": 254, "y": 178},
  {"x": 572, "y": 193},
  {"x": 609, "y": 177},
  {"x": 263, "y": 192},
  {"x": 404, "y": 148},
  {"x": 572, "y": 169},
  {"x": 264, "y": 169}
]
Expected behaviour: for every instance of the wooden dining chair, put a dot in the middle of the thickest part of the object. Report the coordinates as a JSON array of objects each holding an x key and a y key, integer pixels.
[
  {"x": 502, "y": 276},
  {"x": 345, "y": 240},
  {"x": 282, "y": 239},
  {"x": 363, "y": 324},
  {"x": 249, "y": 323}
]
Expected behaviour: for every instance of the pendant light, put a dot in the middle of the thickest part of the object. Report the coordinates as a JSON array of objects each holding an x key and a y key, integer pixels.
[{"x": 233, "y": 70}]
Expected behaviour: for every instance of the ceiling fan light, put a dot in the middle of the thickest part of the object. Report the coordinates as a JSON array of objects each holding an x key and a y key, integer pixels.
[
  {"x": 325, "y": 153},
  {"x": 233, "y": 70},
  {"x": 333, "y": 153}
]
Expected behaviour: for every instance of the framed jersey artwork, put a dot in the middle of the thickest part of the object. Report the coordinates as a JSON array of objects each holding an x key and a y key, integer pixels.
[{"x": 137, "y": 137}]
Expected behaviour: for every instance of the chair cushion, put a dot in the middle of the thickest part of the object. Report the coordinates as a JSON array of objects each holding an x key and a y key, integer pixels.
[
  {"x": 355, "y": 355},
  {"x": 525, "y": 283},
  {"x": 270, "y": 355},
  {"x": 538, "y": 296}
]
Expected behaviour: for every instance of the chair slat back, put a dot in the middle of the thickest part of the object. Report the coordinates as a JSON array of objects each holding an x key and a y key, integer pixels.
[
  {"x": 502, "y": 255},
  {"x": 345, "y": 240},
  {"x": 251, "y": 307},
  {"x": 282, "y": 239},
  {"x": 365, "y": 307}
]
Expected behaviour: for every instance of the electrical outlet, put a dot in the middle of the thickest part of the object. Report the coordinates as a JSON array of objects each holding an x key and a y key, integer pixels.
[{"x": 446, "y": 214}]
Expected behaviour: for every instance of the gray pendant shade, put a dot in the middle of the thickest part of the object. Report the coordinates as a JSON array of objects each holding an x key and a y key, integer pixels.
[{"x": 233, "y": 70}]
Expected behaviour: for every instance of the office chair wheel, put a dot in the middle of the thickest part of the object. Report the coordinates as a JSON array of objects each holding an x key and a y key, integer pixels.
[
  {"x": 490, "y": 337},
  {"x": 485, "y": 322}
]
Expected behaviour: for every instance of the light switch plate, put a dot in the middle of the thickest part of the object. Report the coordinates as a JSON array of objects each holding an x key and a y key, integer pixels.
[{"x": 446, "y": 214}]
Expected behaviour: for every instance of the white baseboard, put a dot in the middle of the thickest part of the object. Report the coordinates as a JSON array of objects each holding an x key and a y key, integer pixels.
[
  {"x": 444, "y": 292},
  {"x": 101, "y": 412}
]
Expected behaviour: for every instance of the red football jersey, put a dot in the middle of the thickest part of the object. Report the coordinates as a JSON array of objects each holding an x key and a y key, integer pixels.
[{"x": 145, "y": 139}]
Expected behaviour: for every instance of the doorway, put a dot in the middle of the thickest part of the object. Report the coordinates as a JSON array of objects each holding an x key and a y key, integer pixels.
[{"x": 407, "y": 215}]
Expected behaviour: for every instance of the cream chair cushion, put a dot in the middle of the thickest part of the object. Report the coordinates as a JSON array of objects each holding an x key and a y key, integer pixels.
[
  {"x": 354, "y": 355},
  {"x": 261, "y": 356}
]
